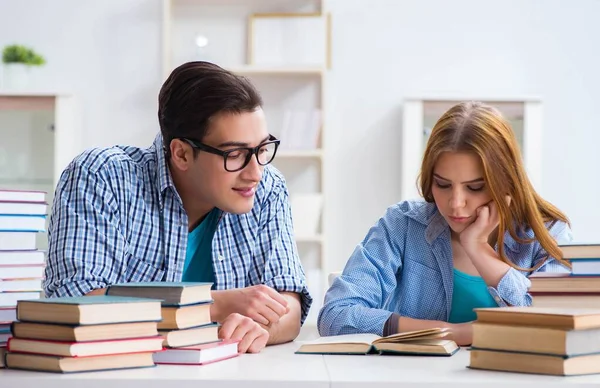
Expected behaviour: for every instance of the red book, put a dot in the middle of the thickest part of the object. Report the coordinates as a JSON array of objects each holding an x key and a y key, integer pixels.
[{"x": 85, "y": 349}]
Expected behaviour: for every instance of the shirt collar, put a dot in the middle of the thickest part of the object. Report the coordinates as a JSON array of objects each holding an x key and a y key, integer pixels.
[{"x": 165, "y": 180}]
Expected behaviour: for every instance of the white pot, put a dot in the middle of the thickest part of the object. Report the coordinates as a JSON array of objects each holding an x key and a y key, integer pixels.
[{"x": 15, "y": 76}]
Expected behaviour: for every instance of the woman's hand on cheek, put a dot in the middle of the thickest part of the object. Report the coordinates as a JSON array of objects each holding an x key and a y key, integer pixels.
[{"x": 485, "y": 223}]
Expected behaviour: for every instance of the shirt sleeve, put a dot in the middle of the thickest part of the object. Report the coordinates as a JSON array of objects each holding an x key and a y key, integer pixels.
[
  {"x": 85, "y": 247},
  {"x": 276, "y": 243},
  {"x": 513, "y": 288},
  {"x": 354, "y": 302}
]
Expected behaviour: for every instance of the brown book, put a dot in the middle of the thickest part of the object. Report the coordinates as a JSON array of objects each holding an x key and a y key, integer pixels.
[
  {"x": 89, "y": 310},
  {"x": 2, "y": 355},
  {"x": 59, "y": 364},
  {"x": 565, "y": 300},
  {"x": 560, "y": 318},
  {"x": 564, "y": 283},
  {"x": 191, "y": 336},
  {"x": 85, "y": 349},
  {"x": 534, "y": 363},
  {"x": 48, "y": 331},
  {"x": 171, "y": 293},
  {"x": 529, "y": 339},
  {"x": 580, "y": 251},
  {"x": 184, "y": 317}
]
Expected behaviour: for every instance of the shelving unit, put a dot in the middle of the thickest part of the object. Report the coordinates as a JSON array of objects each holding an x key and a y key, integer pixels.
[
  {"x": 298, "y": 154},
  {"x": 253, "y": 69},
  {"x": 525, "y": 115},
  {"x": 40, "y": 136},
  {"x": 227, "y": 27}
]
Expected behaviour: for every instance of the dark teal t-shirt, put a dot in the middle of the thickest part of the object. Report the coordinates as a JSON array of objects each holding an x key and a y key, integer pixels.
[
  {"x": 469, "y": 292},
  {"x": 198, "y": 266}
]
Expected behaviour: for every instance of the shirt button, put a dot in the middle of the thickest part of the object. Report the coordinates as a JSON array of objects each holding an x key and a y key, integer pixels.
[{"x": 221, "y": 257}]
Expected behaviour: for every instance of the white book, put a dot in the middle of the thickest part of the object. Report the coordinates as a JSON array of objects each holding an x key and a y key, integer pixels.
[
  {"x": 199, "y": 354},
  {"x": 16, "y": 241},
  {"x": 9, "y": 299},
  {"x": 22, "y": 223},
  {"x": 4, "y": 338},
  {"x": 8, "y": 314},
  {"x": 585, "y": 267},
  {"x": 21, "y": 257},
  {"x": 21, "y": 285},
  {"x": 312, "y": 129},
  {"x": 286, "y": 130},
  {"x": 27, "y": 208},
  {"x": 22, "y": 196},
  {"x": 21, "y": 271}
]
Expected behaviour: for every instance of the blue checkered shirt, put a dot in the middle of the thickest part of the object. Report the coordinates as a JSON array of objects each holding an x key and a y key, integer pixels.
[
  {"x": 117, "y": 217},
  {"x": 404, "y": 266}
]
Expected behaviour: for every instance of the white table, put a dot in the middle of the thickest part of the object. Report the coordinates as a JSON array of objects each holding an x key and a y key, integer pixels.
[
  {"x": 278, "y": 366},
  {"x": 442, "y": 372},
  {"x": 275, "y": 366}
]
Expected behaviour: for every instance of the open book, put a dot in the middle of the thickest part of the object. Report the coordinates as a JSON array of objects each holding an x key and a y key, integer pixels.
[{"x": 421, "y": 342}]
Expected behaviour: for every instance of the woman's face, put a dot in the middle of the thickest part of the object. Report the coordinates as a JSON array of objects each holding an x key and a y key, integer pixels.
[{"x": 459, "y": 188}]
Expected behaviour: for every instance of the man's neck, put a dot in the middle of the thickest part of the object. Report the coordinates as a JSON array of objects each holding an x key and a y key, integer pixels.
[{"x": 196, "y": 210}]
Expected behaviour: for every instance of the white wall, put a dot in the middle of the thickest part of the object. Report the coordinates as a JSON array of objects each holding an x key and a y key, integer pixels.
[
  {"x": 105, "y": 52},
  {"x": 108, "y": 53},
  {"x": 392, "y": 50}
]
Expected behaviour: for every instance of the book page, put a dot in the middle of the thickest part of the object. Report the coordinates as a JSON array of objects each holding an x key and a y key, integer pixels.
[
  {"x": 363, "y": 338},
  {"x": 415, "y": 335}
]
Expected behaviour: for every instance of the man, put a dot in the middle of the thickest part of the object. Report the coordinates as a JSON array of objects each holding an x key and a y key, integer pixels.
[{"x": 201, "y": 204}]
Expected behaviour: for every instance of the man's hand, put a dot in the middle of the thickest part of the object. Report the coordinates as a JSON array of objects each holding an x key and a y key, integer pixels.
[
  {"x": 238, "y": 327},
  {"x": 260, "y": 303}
]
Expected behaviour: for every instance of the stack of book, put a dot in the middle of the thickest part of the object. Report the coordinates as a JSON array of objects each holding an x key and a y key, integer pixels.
[
  {"x": 579, "y": 288},
  {"x": 22, "y": 217},
  {"x": 190, "y": 336},
  {"x": 87, "y": 333},
  {"x": 555, "y": 341}
]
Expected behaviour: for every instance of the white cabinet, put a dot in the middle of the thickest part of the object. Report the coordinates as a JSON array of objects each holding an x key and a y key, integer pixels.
[{"x": 39, "y": 137}]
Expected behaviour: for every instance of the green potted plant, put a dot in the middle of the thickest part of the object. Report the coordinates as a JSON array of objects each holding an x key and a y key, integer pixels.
[{"x": 17, "y": 62}]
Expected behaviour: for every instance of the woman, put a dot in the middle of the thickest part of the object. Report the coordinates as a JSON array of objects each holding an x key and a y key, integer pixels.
[{"x": 474, "y": 240}]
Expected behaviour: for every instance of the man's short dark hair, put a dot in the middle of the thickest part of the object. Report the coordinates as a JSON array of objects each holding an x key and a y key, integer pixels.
[{"x": 197, "y": 91}]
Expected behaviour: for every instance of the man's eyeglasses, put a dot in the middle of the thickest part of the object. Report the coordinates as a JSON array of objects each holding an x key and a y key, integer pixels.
[{"x": 238, "y": 158}]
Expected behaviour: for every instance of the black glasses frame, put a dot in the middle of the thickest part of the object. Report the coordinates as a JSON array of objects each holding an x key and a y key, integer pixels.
[{"x": 251, "y": 151}]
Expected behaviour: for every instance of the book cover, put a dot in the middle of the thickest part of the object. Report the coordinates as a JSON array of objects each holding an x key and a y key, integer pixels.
[{"x": 93, "y": 299}]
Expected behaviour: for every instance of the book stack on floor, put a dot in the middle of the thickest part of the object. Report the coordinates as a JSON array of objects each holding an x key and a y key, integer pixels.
[
  {"x": 22, "y": 217},
  {"x": 555, "y": 341},
  {"x": 579, "y": 288},
  {"x": 190, "y": 336},
  {"x": 83, "y": 334}
]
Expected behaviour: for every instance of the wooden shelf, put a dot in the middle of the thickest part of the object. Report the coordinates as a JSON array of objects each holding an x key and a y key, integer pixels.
[
  {"x": 317, "y": 238},
  {"x": 27, "y": 181},
  {"x": 298, "y": 154},
  {"x": 275, "y": 70},
  {"x": 32, "y": 93}
]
